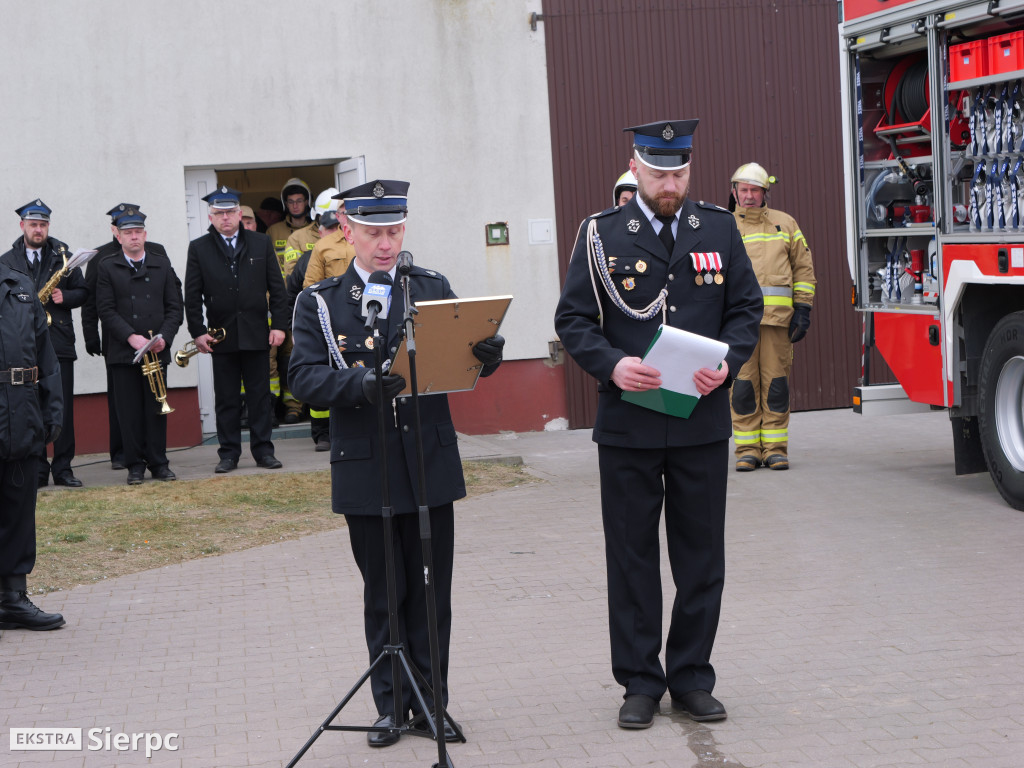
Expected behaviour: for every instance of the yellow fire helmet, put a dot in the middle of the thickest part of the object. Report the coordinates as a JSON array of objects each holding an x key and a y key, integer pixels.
[
  {"x": 752, "y": 173},
  {"x": 625, "y": 181}
]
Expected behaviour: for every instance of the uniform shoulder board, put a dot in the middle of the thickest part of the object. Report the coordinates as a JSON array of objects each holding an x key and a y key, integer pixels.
[
  {"x": 605, "y": 212},
  {"x": 712, "y": 207},
  {"x": 418, "y": 271}
]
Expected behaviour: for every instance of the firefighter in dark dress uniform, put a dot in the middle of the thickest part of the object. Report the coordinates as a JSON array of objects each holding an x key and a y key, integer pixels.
[
  {"x": 661, "y": 259},
  {"x": 233, "y": 273},
  {"x": 91, "y": 323},
  {"x": 138, "y": 296},
  {"x": 31, "y": 409},
  {"x": 338, "y": 372}
]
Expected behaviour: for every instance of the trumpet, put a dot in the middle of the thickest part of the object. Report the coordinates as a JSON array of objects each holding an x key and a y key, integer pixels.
[
  {"x": 190, "y": 350},
  {"x": 153, "y": 371}
]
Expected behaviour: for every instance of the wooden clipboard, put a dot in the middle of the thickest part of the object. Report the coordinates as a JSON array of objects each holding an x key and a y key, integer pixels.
[{"x": 445, "y": 332}]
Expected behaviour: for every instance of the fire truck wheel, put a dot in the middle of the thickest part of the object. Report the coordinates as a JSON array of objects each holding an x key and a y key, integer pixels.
[{"x": 1001, "y": 407}]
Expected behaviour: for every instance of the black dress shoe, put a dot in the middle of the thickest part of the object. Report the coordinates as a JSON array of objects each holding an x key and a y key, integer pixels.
[
  {"x": 136, "y": 476},
  {"x": 67, "y": 479},
  {"x": 163, "y": 473},
  {"x": 226, "y": 465},
  {"x": 116, "y": 464},
  {"x": 637, "y": 711},
  {"x": 323, "y": 444},
  {"x": 700, "y": 706},
  {"x": 383, "y": 739},
  {"x": 268, "y": 462},
  {"x": 450, "y": 734}
]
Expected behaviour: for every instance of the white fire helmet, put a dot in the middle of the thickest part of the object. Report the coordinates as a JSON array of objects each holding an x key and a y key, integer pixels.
[
  {"x": 625, "y": 181},
  {"x": 325, "y": 202},
  {"x": 752, "y": 173}
]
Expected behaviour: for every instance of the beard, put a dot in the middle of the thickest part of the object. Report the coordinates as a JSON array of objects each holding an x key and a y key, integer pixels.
[{"x": 666, "y": 205}]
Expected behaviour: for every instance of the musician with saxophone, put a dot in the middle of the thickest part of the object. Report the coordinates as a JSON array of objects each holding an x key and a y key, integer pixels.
[
  {"x": 138, "y": 297},
  {"x": 42, "y": 257}
]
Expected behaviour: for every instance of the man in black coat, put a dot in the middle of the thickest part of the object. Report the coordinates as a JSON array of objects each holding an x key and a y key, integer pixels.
[
  {"x": 138, "y": 296},
  {"x": 41, "y": 256},
  {"x": 231, "y": 271},
  {"x": 31, "y": 402},
  {"x": 338, "y": 372},
  {"x": 661, "y": 259},
  {"x": 91, "y": 323}
]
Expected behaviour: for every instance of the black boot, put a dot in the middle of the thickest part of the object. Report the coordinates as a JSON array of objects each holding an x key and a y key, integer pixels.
[{"x": 18, "y": 612}]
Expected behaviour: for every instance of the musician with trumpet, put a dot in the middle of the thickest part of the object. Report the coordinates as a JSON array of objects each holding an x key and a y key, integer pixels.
[
  {"x": 138, "y": 298},
  {"x": 42, "y": 257}
]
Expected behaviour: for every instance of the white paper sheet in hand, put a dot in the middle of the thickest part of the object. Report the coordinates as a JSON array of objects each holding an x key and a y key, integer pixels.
[{"x": 678, "y": 355}]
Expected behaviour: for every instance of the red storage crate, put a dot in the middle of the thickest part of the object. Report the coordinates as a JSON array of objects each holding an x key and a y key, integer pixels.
[
  {"x": 968, "y": 60},
  {"x": 1006, "y": 53}
]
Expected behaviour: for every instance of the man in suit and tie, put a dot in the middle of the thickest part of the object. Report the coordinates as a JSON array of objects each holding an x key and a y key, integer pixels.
[
  {"x": 234, "y": 274},
  {"x": 661, "y": 258}
]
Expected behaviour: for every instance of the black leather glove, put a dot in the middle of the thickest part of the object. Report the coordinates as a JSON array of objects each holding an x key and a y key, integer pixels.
[
  {"x": 92, "y": 346},
  {"x": 488, "y": 352},
  {"x": 392, "y": 386},
  {"x": 52, "y": 433},
  {"x": 800, "y": 323}
]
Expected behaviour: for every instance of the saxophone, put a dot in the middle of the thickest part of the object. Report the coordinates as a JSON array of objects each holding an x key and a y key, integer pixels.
[{"x": 51, "y": 285}]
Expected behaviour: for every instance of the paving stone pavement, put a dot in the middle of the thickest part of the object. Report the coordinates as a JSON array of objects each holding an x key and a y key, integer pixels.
[{"x": 873, "y": 617}]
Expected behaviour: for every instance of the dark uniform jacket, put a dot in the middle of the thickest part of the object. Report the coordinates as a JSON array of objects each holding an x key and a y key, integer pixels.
[
  {"x": 62, "y": 329},
  {"x": 27, "y": 411},
  {"x": 137, "y": 301},
  {"x": 90, "y": 315},
  {"x": 238, "y": 305},
  {"x": 355, "y": 445},
  {"x": 729, "y": 311}
]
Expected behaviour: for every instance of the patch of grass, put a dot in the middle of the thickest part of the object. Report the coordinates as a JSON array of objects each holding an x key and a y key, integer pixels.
[{"x": 99, "y": 533}]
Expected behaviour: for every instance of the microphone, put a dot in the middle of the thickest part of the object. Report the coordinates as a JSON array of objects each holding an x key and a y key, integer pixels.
[
  {"x": 404, "y": 263},
  {"x": 376, "y": 298}
]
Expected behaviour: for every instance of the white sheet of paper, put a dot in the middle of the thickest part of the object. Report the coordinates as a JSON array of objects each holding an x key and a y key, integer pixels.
[{"x": 679, "y": 354}]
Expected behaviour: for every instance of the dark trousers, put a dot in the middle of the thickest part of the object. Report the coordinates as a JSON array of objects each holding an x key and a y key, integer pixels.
[
  {"x": 319, "y": 427},
  {"x": 116, "y": 446},
  {"x": 691, "y": 483},
  {"x": 64, "y": 445},
  {"x": 366, "y": 534},
  {"x": 230, "y": 370},
  {"x": 143, "y": 429},
  {"x": 18, "y": 516}
]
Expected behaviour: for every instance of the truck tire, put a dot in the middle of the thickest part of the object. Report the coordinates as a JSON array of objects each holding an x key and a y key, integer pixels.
[{"x": 1001, "y": 407}]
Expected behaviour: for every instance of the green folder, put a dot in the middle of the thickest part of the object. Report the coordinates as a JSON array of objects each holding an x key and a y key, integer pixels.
[{"x": 678, "y": 354}]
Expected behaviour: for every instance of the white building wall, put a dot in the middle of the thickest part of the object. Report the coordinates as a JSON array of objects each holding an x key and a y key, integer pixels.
[{"x": 107, "y": 101}]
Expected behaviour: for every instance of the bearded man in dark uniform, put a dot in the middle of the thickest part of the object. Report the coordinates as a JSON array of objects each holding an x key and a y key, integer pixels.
[
  {"x": 337, "y": 371},
  {"x": 661, "y": 259}
]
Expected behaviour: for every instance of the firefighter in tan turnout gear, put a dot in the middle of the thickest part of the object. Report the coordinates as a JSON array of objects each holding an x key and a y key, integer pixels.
[{"x": 782, "y": 263}]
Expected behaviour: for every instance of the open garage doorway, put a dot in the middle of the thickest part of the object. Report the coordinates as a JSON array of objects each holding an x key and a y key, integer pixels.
[{"x": 255, "y": 181}]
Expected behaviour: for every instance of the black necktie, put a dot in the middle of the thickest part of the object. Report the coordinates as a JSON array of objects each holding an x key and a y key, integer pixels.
[{"x": 666, "y": 232}]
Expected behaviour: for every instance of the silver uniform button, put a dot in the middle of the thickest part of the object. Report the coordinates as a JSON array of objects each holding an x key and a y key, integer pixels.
[
  {"x": 671, "y": 277},
  {"x": 671, "y": 309}
]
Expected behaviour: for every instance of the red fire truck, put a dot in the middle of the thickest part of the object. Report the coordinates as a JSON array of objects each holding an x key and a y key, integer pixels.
[{"x": 933, "y": 103}]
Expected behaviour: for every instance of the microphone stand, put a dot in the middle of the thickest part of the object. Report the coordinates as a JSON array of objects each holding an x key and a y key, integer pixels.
[
  {"x": 395, "y": 649},
  {"x": 440, "y": 716}
]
